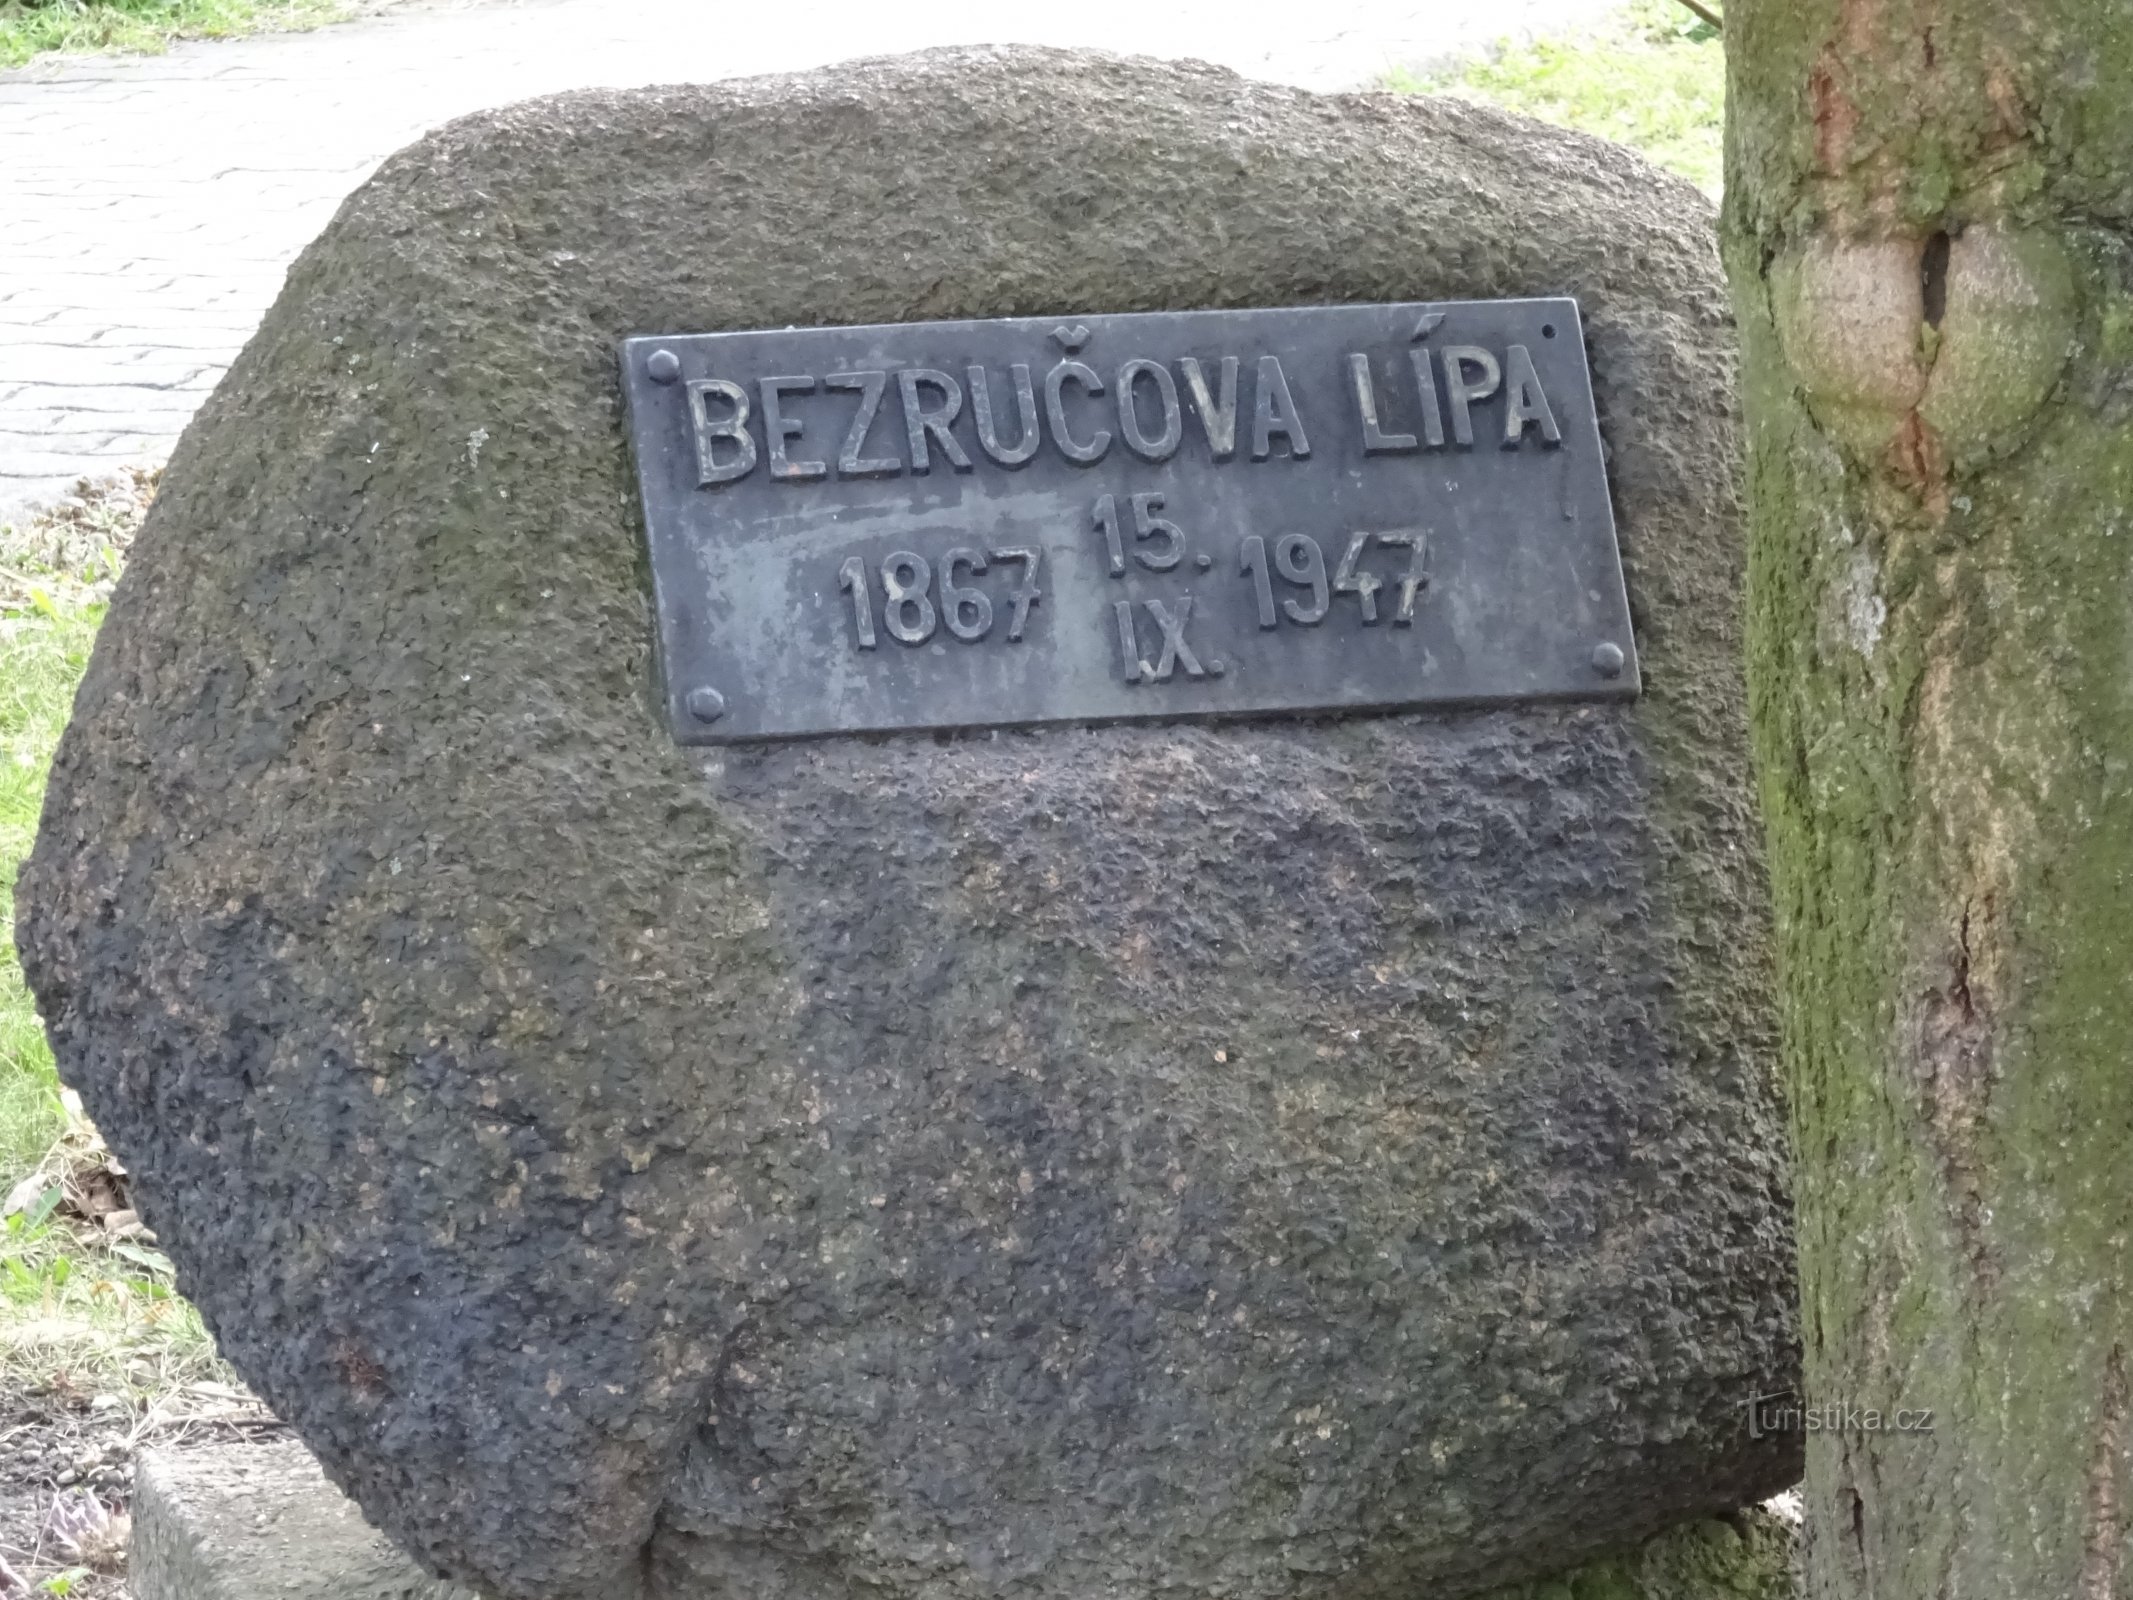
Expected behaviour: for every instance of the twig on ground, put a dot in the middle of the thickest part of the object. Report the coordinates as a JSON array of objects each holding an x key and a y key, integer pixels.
[{"x": 176, "y": 1427}]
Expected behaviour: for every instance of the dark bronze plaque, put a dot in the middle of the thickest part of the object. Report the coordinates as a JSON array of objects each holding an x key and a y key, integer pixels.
[{"x": 1166, "y": 514}]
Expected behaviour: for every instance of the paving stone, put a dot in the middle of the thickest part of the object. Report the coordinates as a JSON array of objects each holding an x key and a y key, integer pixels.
[
  {"x": 33, "y": 424},
  {"x": 151, "y": 411},
  {"x": 144, "y": 449},
  {"x": 66, "y": 439},
  {"x": 136, "y": 369},
  {"x": 50, "y": 463},
  {"x": 142, "y": 405},
  {"x": 260, "y": 1522}
]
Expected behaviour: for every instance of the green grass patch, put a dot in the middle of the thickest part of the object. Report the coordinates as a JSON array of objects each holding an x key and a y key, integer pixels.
[
  {"x": 85, "y": 1303},
  {"x": 1652, "y": 77},
  {"x": 43, "y": 650},
  {"x": 56, "y": 573},
  {"x": 31, "y": 28},
  {"x": 87, "y": 1317}
]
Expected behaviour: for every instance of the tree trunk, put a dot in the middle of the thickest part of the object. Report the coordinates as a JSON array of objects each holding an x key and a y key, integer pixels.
[{"x": 1926, "y": 229}]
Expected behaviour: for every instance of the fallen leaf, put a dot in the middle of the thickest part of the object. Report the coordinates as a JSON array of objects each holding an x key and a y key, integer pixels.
[{"x": 18, "y": 1199}]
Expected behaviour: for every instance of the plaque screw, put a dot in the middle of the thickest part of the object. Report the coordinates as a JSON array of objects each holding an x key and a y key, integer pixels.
[
  {"x": 1607, "y": 659},
  {"x": 706, "y": 705},
  {"x": 1203, "y": 561},
  {"x": 663, "y": 367}
]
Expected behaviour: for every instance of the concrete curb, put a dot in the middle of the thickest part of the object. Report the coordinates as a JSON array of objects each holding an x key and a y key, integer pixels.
[{"x": 260, "y": 1522}]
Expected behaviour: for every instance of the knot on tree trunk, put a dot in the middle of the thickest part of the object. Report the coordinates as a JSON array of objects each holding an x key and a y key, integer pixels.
[{"x": 1926, "y": 356}]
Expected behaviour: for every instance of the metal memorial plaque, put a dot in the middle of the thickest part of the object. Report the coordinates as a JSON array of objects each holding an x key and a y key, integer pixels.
[{"x": 1165, "y": 514}]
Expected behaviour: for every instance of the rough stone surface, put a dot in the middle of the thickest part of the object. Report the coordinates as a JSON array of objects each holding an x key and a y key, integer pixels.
[
  {"x": 252, "y": 1523},
  {"x": 1752, "y": 1554},
  {"x": 1263, "y": 1161},
  {"x": 260, "y": 1522}
]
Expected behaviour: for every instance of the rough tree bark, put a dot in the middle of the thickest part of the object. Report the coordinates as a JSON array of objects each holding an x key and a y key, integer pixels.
[{"x": 1926, "y": 226}]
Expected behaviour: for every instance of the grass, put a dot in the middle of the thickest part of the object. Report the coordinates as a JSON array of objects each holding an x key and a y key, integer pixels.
[
  {"x": 48, "y": 619},
  {"x": 31, "y": 28},
  {"x": 80, "y": 1318},
  {"x": 1651, "y": 77},
  {"x": 84, "y": 1307}
]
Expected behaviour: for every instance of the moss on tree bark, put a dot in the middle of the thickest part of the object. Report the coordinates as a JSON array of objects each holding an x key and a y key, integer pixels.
[{"x": 1926, "y": 230}]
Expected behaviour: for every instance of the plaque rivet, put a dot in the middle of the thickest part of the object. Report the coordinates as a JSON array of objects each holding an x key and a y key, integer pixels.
[
  {"x": 663, "y": 367},
  {"x": 1607, "y": 659},
  {"x": 706, "y": 705},
  {"x": 1203, "y": 561}
]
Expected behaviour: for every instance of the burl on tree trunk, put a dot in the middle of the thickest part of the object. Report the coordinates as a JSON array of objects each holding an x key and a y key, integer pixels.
[{"x": 1926, "y": 219}]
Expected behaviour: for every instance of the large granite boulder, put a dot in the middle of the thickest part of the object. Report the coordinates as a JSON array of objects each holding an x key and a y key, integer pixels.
[{"x": 1278, "y": 1160}]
